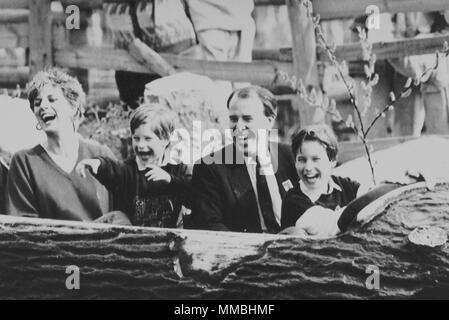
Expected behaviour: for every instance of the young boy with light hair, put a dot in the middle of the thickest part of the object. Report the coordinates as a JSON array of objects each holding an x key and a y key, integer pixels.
[{"x": 148, "y": 188}]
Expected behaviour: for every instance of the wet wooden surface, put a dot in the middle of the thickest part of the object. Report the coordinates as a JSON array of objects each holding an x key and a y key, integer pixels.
[{"x": 138, "y": 263}]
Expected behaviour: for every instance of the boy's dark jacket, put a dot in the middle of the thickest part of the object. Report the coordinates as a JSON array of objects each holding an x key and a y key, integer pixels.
[
  {"x": 226, "y": 200},
  {"x": 296, "y": 203},
  {"x": 150, "y": 204}
]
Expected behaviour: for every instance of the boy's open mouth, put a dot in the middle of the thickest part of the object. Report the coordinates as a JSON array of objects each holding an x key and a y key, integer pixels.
[
  {"x": 309, "y": 178},
  {"x": 145, "y": 155}
]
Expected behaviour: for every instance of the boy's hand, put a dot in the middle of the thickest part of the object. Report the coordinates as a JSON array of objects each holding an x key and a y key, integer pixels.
[
  {"x": 91, "y": 165},
  {"x": 157, "y": 174}
]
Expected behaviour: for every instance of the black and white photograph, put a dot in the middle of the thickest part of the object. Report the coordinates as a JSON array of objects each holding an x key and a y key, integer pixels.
[{"x": 227, "y": 156}]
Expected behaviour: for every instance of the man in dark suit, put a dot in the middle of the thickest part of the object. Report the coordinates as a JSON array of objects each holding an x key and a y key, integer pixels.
[{"x": 241, "y": 187}]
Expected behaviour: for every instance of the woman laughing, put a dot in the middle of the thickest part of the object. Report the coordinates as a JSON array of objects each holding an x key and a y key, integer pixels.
[{"x": 42, "y": 182}]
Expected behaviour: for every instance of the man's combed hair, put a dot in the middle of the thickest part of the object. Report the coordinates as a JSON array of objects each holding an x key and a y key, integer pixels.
[
  {"x": 70, "y": 87},
  {"x": 160, "y": 118},
  {"x": 319, "y": 133},
  {"x": 266, "y": 97}
]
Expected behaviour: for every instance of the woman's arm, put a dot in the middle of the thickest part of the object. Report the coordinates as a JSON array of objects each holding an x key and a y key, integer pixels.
[
  {"x": 110, "y": 173},
  {"x": 318, "y": 223},
  {"x": 21, "y": 196}
]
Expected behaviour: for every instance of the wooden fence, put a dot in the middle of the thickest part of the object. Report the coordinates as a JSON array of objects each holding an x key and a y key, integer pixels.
[
  {"x": 34, "y": 31},
  {"x": 43, "y": 33}
]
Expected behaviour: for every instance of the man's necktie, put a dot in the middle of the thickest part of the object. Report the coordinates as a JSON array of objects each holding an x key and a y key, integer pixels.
[{"x": 265, "y": 202}]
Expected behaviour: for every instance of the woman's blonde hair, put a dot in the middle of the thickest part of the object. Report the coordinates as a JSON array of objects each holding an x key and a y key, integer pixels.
[{"x": 71, "y": 89}]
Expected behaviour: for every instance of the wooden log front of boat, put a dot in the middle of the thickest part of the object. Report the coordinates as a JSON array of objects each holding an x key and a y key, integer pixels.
[{"x": 139, "y": 263}]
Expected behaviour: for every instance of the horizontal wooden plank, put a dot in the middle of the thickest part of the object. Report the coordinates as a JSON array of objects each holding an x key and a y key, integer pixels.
[
  {"x": 16, "y": 34},
  {"x": 282, "y": 55},
  {"x": 95, "y": 4},
  {"x": 394, "y": 49},
  {"x": 353, "y": 51},
  {"x": 14, "y": 15},
  {"x": 12, "y": 76},
  {"x": 258, "y": 72},
  {"x": 337, "y": 9},
  {"x": 13, "y": 4},
  {"x": 328, "y": 9},
  {"x": 22, "y": 16},
  {"x": 348, "y": 52}
]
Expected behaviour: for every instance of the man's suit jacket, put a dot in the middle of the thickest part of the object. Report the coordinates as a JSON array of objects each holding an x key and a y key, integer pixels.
[{"x": 225, "y": 198}]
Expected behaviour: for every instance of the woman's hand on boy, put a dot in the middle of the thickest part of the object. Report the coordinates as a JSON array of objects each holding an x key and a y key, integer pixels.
[
  {"x": 84, "y": 166},
  {"x": 318, "y": 223},
  {"x": 157, "y": 174}
]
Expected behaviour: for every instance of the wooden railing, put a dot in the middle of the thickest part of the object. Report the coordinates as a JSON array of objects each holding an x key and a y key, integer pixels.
[
  {"x": 328, "y": 9},
  {"x": 43, "y": 32},
  {"x": 38, "y": 38}
]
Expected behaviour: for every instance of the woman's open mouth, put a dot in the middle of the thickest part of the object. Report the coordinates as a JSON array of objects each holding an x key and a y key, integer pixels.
[{"x": 47, "y": 117}]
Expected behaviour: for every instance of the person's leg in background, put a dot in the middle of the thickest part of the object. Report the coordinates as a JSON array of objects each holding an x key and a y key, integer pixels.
[
  {"x": 419, "y": 113},
  {"x": 214, "y": 45},
  {"x": 243, "y": 52},
  {"x": 224, "y": 45}
]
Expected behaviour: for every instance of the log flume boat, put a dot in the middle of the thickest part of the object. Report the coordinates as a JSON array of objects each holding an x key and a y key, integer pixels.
[
  {"x": 142, "y": 263},
  {"x": 117, "y": 262}
]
